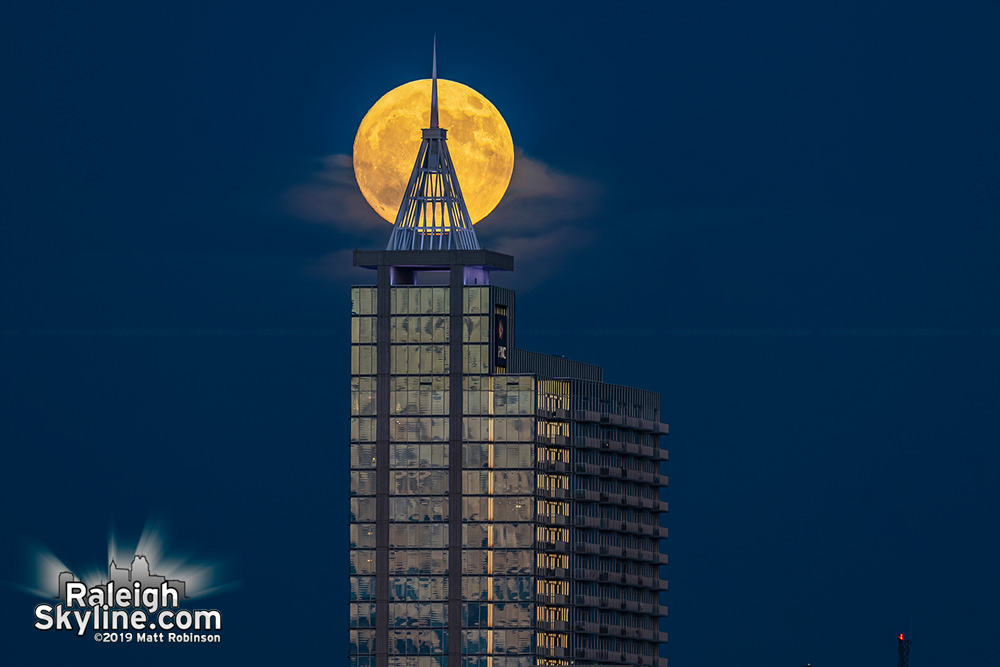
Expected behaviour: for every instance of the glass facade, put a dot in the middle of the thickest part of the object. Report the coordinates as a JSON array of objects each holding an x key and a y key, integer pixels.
[{"x": 500, "y": 515}]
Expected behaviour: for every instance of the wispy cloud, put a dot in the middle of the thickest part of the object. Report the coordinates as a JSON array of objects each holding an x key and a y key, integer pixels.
[
  {"x": 332, "y": 197},
  {"x": 542, "y": 219}
]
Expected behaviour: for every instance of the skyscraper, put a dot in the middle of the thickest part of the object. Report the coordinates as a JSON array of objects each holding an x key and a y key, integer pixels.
[{"x": 505, "y": 505}]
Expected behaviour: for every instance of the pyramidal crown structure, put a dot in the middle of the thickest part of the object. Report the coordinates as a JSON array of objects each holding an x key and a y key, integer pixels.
[{"x": 433, "y": 214}]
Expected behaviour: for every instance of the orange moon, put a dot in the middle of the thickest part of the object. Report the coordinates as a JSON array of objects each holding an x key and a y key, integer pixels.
[{"x": 479, "y": 141}]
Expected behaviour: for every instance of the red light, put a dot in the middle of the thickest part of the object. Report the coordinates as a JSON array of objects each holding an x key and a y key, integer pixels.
[{"x": 900, "y": 636}]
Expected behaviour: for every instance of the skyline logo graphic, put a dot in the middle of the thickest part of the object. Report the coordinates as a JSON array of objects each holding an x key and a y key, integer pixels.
[{"x": 138, "y": 602}]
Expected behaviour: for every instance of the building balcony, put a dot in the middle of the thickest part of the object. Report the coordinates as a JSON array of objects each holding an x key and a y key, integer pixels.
[
  {"x": 556, "y": 572},
  {"x": 554, "y": 519},
  {"x": 544, "y": 598},
  {"x": 557, "y": 626},
  {"x": 552, "y": 466},
  {"x": 552, "y": 652},
  {"x": 554, "y": 494},
  {"x": 648, "y": 425},
  {"x": 557, "y": 547},
  {"x": 588, "y": 601},
  {"x": 649, "y": 635}
]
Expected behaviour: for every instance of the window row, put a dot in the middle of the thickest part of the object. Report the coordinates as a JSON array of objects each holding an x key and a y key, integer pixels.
[
  {"x": 496, "y": 508},
  {"x": 422, "y": 401},
  {"x": 499, "y": 429},
  {"x": 418, "y": 642},
  {"x": 497, "y": 561},
  {"x": 498, "y": 641},
  {"x": 418, "y": 429},
  {"x": 420, "y": 329},
  {"x": 401, "y": 561},
  {"x": 499, "y": 383},
  {"x": 496, "y": 615},
  {"x": 497, "y": 455},
  {"x": 442, "y": 661},
  {"x": 411, "y": 661},
  {"x": 497, "y": 535},
  {"x": 500, "y": 589},
  {"x": 401, "y": 615},
  {"x": 435, "y": 615},
  {"x": 435, "y": 508},
  {"x": 435, "y": 482},
  {"x": 496, "y": 661},
  {"x": 420, "y": 359},
  {"x": 402, "y": 642},
  {"x": 419, "y": 300},
  {"x": 421, "y": 561},
  {"x": 485, "y": 402},
  {"x": 426, "y": 589},
  {"x": 475, "y": 455}
]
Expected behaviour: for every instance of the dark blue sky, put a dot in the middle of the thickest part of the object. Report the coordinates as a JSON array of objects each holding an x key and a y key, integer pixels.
[{"x": 783, "y": 216}]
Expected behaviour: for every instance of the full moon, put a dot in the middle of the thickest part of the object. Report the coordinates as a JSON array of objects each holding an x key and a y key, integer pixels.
[{"x": 388, "y": 139}]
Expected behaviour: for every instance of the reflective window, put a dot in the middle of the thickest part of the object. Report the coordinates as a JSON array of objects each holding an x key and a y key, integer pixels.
[
  {"x": 362, "y": 615},
  {"x": 496, "y": 508},
  {"x": 425, "y": 589},
  {"x": 418, "y": 614},
  {"x": 362, "y": 562},
  {"x": 476, "y": 300},
  {"x": 418, "y": 508},
  {"x": 362, "y": 429},
  {"x": 476, "y": 329},
  {"x": 362, "y": 455},
  {"x": 416, "y": 535},
  {"x": 362, "y": 588},
  {"x": 419, "y": 359},
  {"x": 497, "y": 535},
  {"x": 362, "y": 535},
  {"x": 363, "y": 509},
  {"x": 418, "y": 561},
  {"x": 363, "y": 330},
  {"x": 364, "y": 359},
  {"x": 418, "y": 429},
  {"x": 364, "y": 300},
  {"x": 418, "y": 456},
  {"x": 362, "y": 641},
  {"x": 418, "y": 482},
  {"x": 363, "y": 482},
  {"x": 362, "y": 395}
]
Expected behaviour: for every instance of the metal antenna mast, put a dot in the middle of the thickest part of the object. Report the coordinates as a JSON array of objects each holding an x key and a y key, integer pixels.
[
  {"x": 903, "y": 649},
  {"x": 433, "y": 214}
]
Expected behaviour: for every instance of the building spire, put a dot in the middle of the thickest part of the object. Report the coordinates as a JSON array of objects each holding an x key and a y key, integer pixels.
[
  {"x": 434, "y": 86},
  {"x": 433, "y": 214}
]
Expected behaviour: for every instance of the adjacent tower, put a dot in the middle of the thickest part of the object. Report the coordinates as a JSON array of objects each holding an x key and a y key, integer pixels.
[{"x": 505, "y": 505}]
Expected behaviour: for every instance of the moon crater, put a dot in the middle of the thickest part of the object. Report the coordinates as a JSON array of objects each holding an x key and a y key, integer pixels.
[{"x": 388, "y": 138}]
